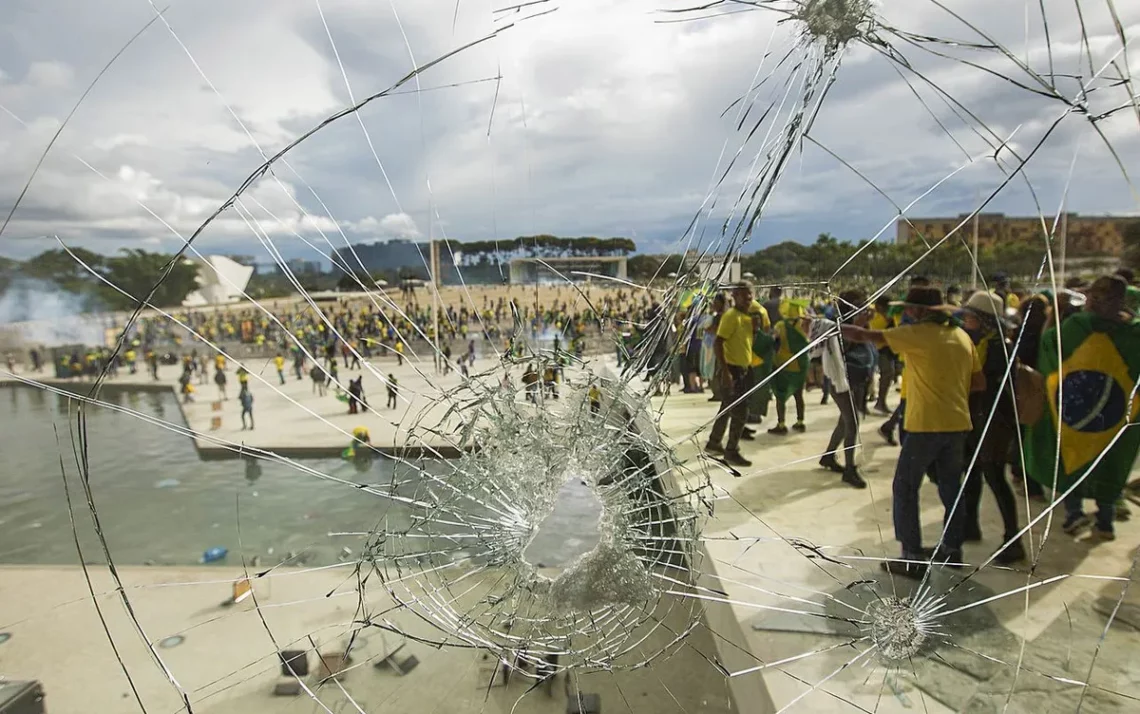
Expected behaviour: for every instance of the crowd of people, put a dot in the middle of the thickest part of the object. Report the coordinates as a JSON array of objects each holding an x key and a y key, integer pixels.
[
  {"x": 381, "y": 328},
  {"x": 986, "y": 383}
]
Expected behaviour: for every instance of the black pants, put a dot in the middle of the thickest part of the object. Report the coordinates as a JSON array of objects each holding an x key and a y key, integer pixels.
[
  {"x": 734, "y": 407},
  {"x": 887, "y": 374},
  {"x": 847, "y": 430},
  {"x": 994, "y": 474},
  {"x": 782, "y": 407}
]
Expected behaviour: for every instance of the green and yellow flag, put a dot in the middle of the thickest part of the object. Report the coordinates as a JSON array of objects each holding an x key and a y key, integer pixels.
[
  {"x": 791, "y": 340},
  {"x": 1090, "y": 400}
]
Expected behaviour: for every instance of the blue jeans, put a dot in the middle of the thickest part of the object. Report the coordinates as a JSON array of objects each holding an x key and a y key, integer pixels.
[
  {"x": 1105, "y": 511},
  {"x": 943, "y": 454}
]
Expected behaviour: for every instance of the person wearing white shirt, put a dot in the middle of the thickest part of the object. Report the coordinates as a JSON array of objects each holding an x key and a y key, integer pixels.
[{"x": 847, "y": 367}]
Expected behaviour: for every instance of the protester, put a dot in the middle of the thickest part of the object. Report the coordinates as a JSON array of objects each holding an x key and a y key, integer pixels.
[
  {"x": 847, "y": 367},
  {"x": 393, "y": 390},
  {"x": 994, "y": 418},
  {"x": 246, "y": 399},
  {"x": 317, "y": 375},
  {"x": 763, "y": 355},
  {"x": 942, "y": 370},
  {"x": 886, "y": 361},
  {"x": 1094, "y": 379},
  {"x": 220, "y": 380},
  {"x": 356, "y": 400},
  {"x": 791, "y": 365},
  {"x": 709, "y": 363},
  {"x": 734, "y": 355}
]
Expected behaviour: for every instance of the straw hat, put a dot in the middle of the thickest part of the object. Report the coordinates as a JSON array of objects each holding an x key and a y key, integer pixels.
[{"x": 987, "y": 304}]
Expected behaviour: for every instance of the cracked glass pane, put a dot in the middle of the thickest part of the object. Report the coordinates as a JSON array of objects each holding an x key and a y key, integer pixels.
[{"x": 293, "y": 421}]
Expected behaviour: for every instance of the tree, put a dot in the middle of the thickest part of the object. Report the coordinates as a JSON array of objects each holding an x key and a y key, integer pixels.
[
  {"x": 60, "y": 267},
  {"x": 136, "y": 272},
  {"x": 1131, "y": 234}
]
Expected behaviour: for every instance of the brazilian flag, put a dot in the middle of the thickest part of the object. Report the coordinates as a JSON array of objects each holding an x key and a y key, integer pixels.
[
  {"x": 1090, "y": 401},
  {"x": 764, "y": 350},
  {"x": 790, "y": 339}
]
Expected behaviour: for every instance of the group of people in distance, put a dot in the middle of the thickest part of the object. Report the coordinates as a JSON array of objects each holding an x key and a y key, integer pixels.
[{"x": 985, "y": 383}]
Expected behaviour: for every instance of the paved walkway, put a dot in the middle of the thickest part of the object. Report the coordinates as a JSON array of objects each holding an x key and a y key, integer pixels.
[
  {"x": 759, "y": 542},
  {"x": 227, "y": 661}
]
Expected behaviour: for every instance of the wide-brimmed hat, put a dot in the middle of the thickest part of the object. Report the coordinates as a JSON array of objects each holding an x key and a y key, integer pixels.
[
  {"x": 987, "y": 304},
  {"x": 928, "y": 298}
]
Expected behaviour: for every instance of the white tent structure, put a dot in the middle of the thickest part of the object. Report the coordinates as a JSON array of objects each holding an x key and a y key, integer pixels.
[{"x": 220, "y": 281}]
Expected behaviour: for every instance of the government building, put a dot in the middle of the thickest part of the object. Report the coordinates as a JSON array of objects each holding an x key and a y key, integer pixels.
[{"x": 1087, "y": 235}]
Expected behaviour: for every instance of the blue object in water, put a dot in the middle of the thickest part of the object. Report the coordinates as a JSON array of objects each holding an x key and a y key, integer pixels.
[{"x": 214, "y": 554}]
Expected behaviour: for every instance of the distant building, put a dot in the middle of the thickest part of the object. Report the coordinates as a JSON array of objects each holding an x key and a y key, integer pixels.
[
  {"x": 716, "y": 267},
  {"x": 1086, "y": 235},
  {"x": 220, "y": 281},
  {"x": 300, "y": 266},
  {"x": 389, "y": 256},
  {"x": 551, "y": 270}
]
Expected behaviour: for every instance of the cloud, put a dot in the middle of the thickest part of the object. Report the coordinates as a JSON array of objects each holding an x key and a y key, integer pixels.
[
  {"x": 593, "y": 120},
  {"x": 49, "y": 75},
  {"x": 393, "y": 225}
]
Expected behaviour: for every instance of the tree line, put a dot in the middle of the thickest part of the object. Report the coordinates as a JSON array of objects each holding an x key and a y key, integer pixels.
[
  {"x": 134, "y": 272},
  {"x": 879, "y": 261}
]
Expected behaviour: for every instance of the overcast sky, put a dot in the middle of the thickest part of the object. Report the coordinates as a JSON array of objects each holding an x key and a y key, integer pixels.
[{"x": 606, "y": 120}]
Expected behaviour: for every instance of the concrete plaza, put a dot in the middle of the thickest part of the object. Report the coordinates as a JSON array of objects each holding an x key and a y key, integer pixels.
[{"x": 794, "y": 551}]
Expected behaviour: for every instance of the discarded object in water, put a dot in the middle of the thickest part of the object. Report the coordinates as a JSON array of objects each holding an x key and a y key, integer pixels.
[
  {"x": 215, "y": 554},
  {"x": 168, "y": 483}
]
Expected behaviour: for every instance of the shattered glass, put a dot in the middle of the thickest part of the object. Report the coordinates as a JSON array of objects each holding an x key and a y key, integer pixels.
[{"x": 699, "y": 586}]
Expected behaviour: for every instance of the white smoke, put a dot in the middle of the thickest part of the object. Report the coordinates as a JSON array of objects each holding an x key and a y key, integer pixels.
[{"x": 39, "y": 313}]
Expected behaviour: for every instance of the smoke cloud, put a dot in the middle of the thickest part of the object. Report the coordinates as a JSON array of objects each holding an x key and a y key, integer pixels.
[{"x": 37, "y": 312}]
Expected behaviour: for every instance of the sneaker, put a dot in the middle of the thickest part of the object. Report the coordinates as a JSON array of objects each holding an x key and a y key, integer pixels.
[
  {"x": 906, "y": 569},
  {"x": 748, "y": 436},
  {"x": 824, "y": 400},
  {"x": 948, "y": 558},
  {"x": 852, "y": 478},
  {"x": 1123, "y": 511},
  {"x": 799, "y": 426},
  {"x": 888, "y": 434},
  {"x": 714, "y": 448},
  {"x": 735, "y": 459},
  {"x": 1099, "y": 536},
  {"x": 749, "y": 431},
  {"x": 829, "y": 462},
  {"x": 778, "y": 430},
  {"x": 1012, "y": 553},
  {"x": 1075, "y": 524}
]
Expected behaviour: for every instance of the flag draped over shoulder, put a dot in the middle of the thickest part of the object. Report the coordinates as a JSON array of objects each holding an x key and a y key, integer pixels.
[
  {"x": 791, "y": 340},
  {"x": 1090, "y": 400}
]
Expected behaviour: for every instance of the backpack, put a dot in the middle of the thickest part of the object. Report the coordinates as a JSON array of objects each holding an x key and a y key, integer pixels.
[{"x": 1029, "y": 393}]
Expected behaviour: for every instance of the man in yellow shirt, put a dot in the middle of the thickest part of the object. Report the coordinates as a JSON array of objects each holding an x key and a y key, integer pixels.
[
  {"x": 942, "y": 369},
  {"x": 733, "y": 348},
  {"x": 279, "y": 363}
]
